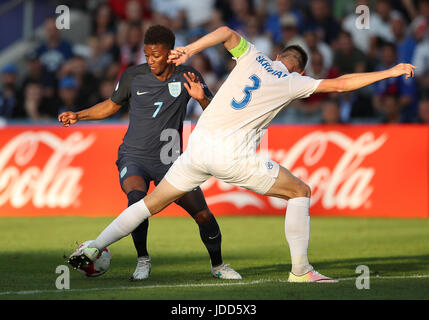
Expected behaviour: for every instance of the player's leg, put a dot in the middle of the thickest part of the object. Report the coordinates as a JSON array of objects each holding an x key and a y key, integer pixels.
[
  {"x": 134, "y": 215},
  {"x": 135, "y": 187},
  {"x": 267, "y": 177},
  {"x": 297, "y": 220},
  {"x": 134, "y": 180},
  {"x": 297, "y": 224},
  {"x": 182, "y": 177},
  {"x": 195, "y": 204}
]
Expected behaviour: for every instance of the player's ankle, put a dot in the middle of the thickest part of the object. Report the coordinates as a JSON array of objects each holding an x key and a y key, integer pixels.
[{"x": 299, "y": 270}]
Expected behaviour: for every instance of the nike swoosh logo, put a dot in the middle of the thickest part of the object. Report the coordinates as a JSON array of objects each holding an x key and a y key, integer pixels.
[
  {"x": 211, "y": 238},
  {"x": 140, "y": 93}
]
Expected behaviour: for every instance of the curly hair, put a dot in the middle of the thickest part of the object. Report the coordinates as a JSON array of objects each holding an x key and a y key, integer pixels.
[{"x": 160, "y": 35}]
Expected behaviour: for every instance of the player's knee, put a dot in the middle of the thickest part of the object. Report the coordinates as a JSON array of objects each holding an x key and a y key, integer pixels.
[
  {"x": 135, "y": 196},
  {"x": 202, "y": 216},
  {"x": 303, "y": 190}
]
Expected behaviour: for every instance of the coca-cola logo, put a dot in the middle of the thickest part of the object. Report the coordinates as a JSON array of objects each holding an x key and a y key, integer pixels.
[
  {"x": 345, "y": 185},
  {"x": 55, "y": 183}
]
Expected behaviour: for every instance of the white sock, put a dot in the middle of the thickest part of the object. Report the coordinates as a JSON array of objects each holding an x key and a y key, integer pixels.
[
  {"x": 123, "y": 225},
  {"x": 297, "y": 231}
]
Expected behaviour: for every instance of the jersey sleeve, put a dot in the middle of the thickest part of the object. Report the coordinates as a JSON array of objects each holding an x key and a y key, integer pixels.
[
  {"x": 245, "y": 51},
  {"x": 122, "y": 92},
  {"x": 206, "y": 89},
  {"x": 302, "y": 86}
]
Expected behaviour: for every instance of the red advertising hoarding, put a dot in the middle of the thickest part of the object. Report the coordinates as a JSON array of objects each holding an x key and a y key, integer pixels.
[{"x": 380, "y": 171}]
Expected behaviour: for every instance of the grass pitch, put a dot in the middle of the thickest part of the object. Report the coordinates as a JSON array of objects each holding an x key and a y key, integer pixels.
[{"x": 395, "y": 250}]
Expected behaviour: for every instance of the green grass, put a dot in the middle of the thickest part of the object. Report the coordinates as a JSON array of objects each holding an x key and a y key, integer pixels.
[{"x": 32, "y": 248}]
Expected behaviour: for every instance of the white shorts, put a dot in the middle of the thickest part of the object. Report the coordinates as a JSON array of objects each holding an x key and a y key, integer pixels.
[{"x": 201, "y": 161}]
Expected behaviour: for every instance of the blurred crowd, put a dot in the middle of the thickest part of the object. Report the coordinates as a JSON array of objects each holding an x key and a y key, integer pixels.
[{"x": 60, "y": 75}]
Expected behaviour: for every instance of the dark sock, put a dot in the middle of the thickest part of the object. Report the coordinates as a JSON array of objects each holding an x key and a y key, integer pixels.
[
  {"x": 212, "y": 238},
  {"x": 140, "y": 233}
]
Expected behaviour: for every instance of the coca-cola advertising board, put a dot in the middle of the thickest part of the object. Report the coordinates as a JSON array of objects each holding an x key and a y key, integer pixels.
[{"x": 377, "y": 170}]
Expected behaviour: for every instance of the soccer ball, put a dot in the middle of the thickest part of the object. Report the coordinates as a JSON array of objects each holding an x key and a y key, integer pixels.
[{"x": 99, "y": 266}]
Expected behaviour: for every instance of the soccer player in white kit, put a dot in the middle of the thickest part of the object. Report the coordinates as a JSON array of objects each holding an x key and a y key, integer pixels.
[{"x": 223, "y": 143}]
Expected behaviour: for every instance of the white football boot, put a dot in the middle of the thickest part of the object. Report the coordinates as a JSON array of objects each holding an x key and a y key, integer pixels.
[
  {"x": 223, "y": 271},
  {"x": 83, "y": 257},
  {"x": 143, "y": 268}
]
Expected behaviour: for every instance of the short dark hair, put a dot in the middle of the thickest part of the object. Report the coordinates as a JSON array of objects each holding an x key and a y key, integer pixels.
[
  {"x": 296, "y": 52},
  {"x": 160, "y": 35}
]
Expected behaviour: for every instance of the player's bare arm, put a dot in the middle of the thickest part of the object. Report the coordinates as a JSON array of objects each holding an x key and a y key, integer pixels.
[
  {"x": 195, "y": 89},
  {"x": 99, "y": 111},
  {"x": 356, "y": 81},
  {"x": 225, "y": 35}
]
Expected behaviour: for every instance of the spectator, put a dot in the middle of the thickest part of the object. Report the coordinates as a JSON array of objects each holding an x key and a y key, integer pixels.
[
  {"x": 272, "y": 20},
  {"x": 201, "y": 63},
  {"x": 331, "y": 112},
  {"x": 104, "y": 92},
  {"x": 132, "y": 52},
  {"x": 314, "y": 44},
  {"x": 423, "y": 113},
  {"x": 9, "y": 95},
  {"x": 318, "y": 70},
  {"x": 420, "y": 25},
  {"x": 241, "y": 9},
  {"x": 391, "y": 109},
  {"x": 421, "y": 61},
  {"x": 290, "y": 33},
  {"x": 133, "y": 11},
  {"x": 68, "y": 95},
  {"x": 100, "y": 57},
  {"x": 34, "y": 105},
  {"x": 321, "y": 19},
  {"x": 347, "y": 58},
  {"x": 54, "y": 51},
  {"x": 403, "y": 88},
  {"x": 216, "y": 21},
  {"x": 86, "y": 82},
  {"x": 197, "y": 13},
  {"x": 361, "y": 37},
  {"x": 405, "y": 43},
  {"x": 103, "y": 21},
  {"x": 35, "y": 72},
  {"x": 130, "y": 13},
  {"x": 254, "y": 35},
  {"x": 380, "y": 24}
]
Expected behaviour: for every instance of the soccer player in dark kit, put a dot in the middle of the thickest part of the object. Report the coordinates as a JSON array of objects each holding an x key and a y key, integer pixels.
[{"x": 157, "y": 94}]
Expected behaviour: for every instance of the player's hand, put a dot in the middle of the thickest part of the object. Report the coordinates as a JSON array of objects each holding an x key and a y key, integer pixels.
[
  {"x": 194, "y": 86},
  {"x": 178, "y": 56},
  {"x": 403, "y": 69},
  {"x": 68, "y": 118}
]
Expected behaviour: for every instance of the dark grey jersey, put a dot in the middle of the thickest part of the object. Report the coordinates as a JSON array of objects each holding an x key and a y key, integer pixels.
[{"x": 156, "y": 109}]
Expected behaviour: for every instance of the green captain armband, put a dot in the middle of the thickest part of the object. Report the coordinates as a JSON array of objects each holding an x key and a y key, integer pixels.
[{"x": 239, "y": 50}]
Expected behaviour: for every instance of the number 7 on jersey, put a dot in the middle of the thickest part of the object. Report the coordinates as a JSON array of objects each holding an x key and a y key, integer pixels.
[{"x": 159, "y": 105}]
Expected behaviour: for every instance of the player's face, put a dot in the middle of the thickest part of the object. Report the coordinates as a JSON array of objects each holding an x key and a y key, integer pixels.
[{"x": 156, "y": 57}]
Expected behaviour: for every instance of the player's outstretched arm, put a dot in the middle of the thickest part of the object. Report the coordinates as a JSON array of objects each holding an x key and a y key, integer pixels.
[
  {"x": 225, "y": 35},
  {"x": 99, "y": 111},
  {"x": 356, "y": 81}
]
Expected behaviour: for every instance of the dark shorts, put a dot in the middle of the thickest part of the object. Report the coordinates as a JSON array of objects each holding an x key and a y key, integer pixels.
[{"x": 150, "y": 170}]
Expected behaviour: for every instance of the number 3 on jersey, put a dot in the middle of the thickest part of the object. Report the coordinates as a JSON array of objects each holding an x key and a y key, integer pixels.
[{"x": 248, "y": 93}]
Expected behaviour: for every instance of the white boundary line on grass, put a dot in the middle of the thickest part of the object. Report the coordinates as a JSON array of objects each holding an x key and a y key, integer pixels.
[{"x": 190, "y": 285}]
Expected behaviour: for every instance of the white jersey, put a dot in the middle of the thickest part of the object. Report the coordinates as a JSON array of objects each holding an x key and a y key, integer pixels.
[
  {"x": 224, "y": 142},
  {"x": 252, "y": 95}
]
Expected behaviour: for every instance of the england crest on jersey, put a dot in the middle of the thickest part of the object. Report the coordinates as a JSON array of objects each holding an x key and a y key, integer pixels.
[{"x": 175, "y": 88}]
